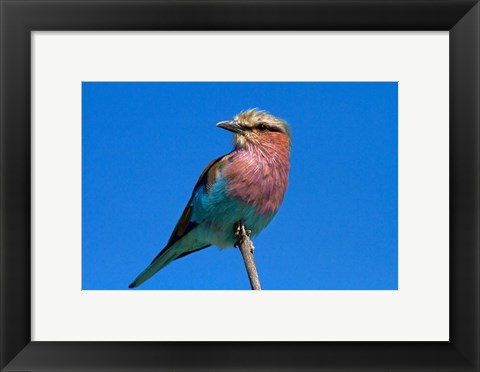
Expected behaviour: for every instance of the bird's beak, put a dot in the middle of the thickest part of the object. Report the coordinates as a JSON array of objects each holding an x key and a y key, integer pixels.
[{"x": 231, "y": 125}]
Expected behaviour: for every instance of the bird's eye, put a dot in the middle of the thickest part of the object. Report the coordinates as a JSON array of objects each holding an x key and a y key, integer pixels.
[{"x": 262, "y": 127}]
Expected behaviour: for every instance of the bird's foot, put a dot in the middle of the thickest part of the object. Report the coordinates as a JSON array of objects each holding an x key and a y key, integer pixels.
[
  {"x": 242, "y": 235},
  {"x": 238, "y": 234},
  {"x": 240, "y": 231}
]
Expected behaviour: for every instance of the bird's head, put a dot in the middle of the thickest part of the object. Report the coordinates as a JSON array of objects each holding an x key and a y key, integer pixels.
[{"x": 256, "y": 127}]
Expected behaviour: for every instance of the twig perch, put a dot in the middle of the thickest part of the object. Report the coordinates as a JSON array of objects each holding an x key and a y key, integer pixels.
[{"x": 246, "y": 248}]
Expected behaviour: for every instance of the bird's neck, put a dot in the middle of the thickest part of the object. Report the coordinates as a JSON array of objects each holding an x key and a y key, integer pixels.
[
  {"x": 259, "y": 175},
  {"x": 265, "y": 155},
  {"x": 276, "y": 148}
]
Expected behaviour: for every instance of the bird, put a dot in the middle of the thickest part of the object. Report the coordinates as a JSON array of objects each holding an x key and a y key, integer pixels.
[{"x": 248, "y": 185}]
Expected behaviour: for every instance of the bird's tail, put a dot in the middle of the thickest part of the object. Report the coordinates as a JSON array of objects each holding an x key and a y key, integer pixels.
[
  {"x": 167, "y": 255},
  {"x": 162, "y": 260}
]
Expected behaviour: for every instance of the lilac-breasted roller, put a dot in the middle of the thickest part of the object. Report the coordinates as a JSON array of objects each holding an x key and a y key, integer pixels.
[{"x": 247, "y": 184}]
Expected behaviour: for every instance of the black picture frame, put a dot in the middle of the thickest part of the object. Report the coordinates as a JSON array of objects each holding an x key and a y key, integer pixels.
[{"x": 19, "y": 17}]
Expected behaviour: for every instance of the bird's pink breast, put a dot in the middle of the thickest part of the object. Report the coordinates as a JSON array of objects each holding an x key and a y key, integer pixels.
[{"x": 259, "y": 176}]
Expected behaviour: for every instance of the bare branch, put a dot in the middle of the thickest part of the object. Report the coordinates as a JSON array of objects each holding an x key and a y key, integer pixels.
[{"x": 246, "y": 248}]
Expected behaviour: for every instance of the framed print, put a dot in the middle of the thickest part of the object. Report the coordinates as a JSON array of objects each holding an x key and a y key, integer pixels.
[
  {"x": 108, "y": 116},
  {"x": 357, "y": 264}
]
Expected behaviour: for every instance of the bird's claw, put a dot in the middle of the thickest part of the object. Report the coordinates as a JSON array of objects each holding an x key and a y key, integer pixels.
[{"x": 240, "y": 231}]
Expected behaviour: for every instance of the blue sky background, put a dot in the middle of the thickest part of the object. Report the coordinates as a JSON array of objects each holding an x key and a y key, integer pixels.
[{"x": 145, "y": 144}]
